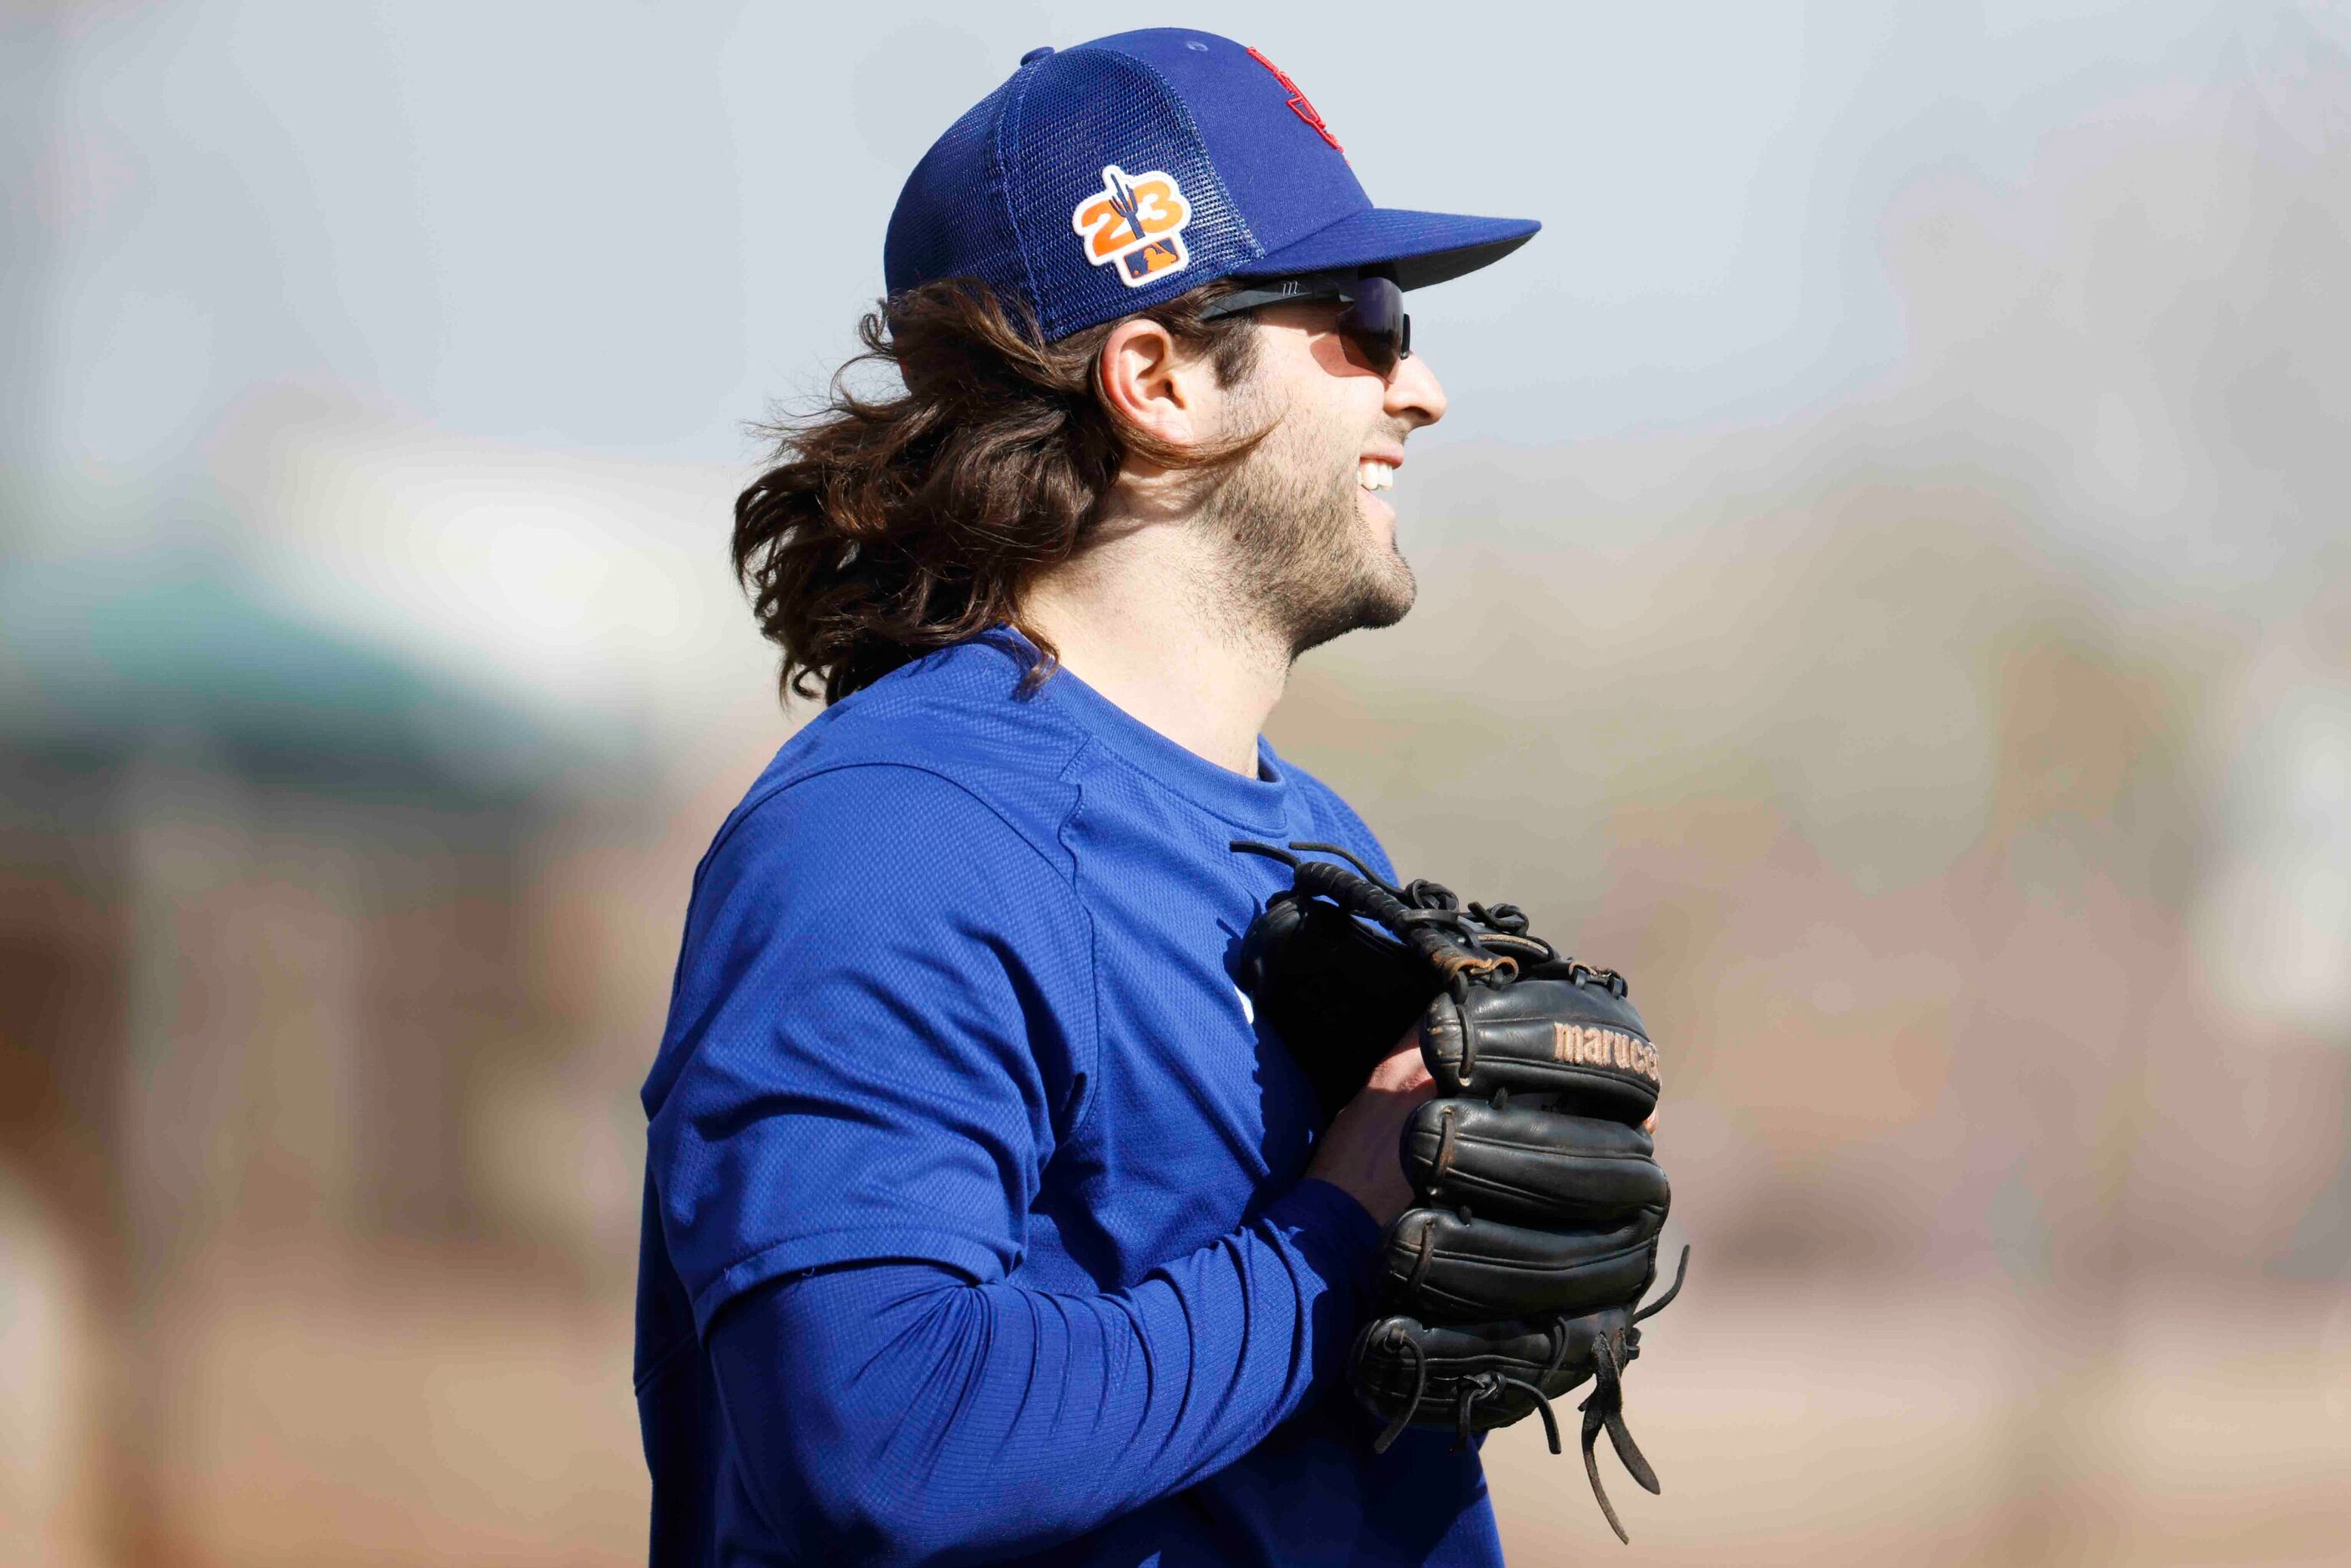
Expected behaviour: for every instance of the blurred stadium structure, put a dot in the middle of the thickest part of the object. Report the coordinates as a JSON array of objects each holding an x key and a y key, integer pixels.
[{"x": 1912, "y": 637}]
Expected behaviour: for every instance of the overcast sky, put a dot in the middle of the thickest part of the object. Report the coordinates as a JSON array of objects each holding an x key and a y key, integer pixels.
[{"x": 623, "y": 226}]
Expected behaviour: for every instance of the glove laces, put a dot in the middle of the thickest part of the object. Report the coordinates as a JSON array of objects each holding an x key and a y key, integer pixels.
[{"x": 1602, "y": 1409}]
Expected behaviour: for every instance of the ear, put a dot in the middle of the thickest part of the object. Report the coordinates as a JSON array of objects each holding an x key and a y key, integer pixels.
[{"x": 1154, "y": 385}]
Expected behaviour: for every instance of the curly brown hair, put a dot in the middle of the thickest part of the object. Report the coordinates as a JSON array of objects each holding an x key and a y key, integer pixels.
[{"x": 892, "y": 525}]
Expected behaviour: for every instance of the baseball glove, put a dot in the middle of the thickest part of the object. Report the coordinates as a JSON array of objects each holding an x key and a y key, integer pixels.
[{"x": 1518, "y": 1274}]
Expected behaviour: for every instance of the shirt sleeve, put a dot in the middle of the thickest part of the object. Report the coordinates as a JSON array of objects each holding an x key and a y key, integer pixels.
[
  {"x": 884, "y": 1012},
  {"x": 883, "y": 1021},
  {"x": 897, "y": 1414}
]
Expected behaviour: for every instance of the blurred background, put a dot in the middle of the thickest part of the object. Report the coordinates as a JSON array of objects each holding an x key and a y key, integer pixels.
[{"x": 1885, "y": 586}]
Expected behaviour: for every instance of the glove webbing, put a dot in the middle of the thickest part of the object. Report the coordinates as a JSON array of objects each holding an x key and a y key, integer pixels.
[{"x": 1431, "y": 928}]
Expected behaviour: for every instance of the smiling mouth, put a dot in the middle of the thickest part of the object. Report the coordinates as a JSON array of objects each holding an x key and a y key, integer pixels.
[{"x": 1374, "y": 474}]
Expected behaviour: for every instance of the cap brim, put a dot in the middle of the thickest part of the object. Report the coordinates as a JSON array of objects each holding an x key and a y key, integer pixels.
[{"x": 1423, "y": 248}]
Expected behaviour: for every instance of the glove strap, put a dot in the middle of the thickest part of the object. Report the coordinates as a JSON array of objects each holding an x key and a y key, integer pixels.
[
  {"x": 1543, "y": 1403},
  {"x": 1681, "y": 1271},
  {"x": 1600, "y": 1408},
  {"x": 1381, "y": 1444}
]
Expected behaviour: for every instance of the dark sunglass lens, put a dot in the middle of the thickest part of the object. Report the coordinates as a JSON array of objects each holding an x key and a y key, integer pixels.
[{"x": 1376, "y": 323}]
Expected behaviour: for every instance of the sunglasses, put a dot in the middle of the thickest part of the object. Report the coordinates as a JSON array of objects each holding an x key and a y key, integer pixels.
[{"x": 1373, "y": 324}]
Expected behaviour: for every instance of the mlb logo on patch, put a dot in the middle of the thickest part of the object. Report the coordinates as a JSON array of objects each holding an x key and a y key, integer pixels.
[{"x": 1135, "y": 224}]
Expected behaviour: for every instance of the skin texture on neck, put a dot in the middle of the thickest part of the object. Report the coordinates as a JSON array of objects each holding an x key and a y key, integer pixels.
[
  {"x": 1199, "y": 586},
  {"x": 1138, "y": 618}
]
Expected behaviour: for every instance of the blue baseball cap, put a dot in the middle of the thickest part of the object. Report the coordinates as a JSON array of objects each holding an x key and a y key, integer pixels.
[{"x": 1103, "y": 179}]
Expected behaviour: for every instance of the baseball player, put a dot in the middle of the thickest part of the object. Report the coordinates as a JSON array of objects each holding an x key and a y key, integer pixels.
[{"x": 985, "y": 1220}]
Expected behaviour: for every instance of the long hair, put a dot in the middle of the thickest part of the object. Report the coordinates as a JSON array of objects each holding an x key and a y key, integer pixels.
[{"x": 891, "y": 526}]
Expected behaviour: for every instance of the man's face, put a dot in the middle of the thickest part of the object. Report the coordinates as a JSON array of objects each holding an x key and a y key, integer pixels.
[{"x": 1313, "y": 537}]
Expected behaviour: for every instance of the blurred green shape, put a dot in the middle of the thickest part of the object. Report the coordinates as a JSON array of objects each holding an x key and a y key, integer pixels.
[{"x": 107, "y": 659}]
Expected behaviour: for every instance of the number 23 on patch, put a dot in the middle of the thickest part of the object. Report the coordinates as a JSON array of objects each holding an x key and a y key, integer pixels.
[{"x": 1135, "y": 224}]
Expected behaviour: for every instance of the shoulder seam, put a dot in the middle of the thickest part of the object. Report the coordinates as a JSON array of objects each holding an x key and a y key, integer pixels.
[
  {"x": 1086, "y": 746},
  {"x": 1066, "y": 875},
  {"x": 753, "y": 802}
]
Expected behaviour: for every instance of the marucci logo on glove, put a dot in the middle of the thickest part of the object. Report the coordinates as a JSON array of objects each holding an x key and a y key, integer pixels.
[
  {"x": 1588, "y": 1045},
  {"x": 1135, "y": 224}
]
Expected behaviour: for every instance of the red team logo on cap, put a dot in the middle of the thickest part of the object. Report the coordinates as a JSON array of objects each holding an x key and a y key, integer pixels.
[
  {"x": 1299, "y": 104},
  {"x": 1135, "y": 224}
]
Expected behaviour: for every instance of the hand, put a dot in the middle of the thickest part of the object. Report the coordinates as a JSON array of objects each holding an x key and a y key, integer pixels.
[{"x": 1361, "y": 1155}]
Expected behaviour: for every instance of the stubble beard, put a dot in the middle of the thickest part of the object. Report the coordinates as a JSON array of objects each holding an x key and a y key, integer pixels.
[{"x": 1303, "y": 565}]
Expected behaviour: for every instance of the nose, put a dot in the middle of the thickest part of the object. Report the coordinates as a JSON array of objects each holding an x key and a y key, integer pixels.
[{"x": 1415, "y": 394}]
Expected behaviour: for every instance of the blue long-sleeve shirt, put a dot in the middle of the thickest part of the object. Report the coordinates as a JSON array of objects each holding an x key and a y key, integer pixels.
[{"x": 974, "y": 1225}]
